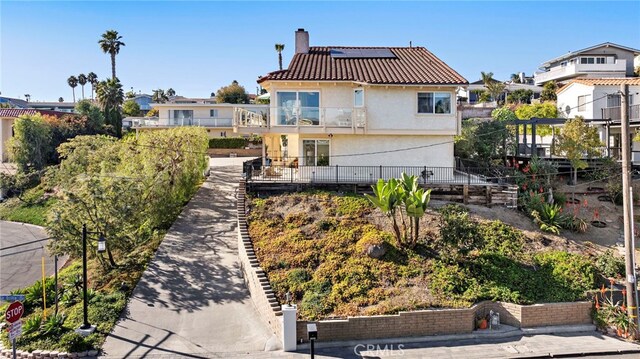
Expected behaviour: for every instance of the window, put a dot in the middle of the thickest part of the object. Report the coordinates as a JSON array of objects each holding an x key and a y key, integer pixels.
[
  {"x": 563, "y": 63},
  {"x": 213, "y": 113},
  {"x": 298, "y": 108},
  {"x": 587, "y": 60},
  {"x": 316, "y": 152},
  {"x": 582, "y": 103},
  {"x": 601, "y": 60},
  {"x": 434, "y": 102},
  {"x": 614, "y": 101},
  {"x": 182, "y": 117},
  {"x": 358, "y": 97}
]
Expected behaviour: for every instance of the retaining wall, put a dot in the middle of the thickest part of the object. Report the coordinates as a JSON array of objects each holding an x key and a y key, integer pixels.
[{"x": 255, "y": 278}]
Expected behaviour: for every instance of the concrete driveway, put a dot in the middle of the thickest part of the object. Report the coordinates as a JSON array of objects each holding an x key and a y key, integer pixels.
[
  {"x": 191, "y": 301},
  {"x": 21, "y": 265}
]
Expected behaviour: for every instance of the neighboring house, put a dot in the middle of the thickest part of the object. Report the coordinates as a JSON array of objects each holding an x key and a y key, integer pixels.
[
  {"x": 599, "y": 99},
  {"x": 599, "y": 61},
  {"x": 358, "y": 106},
  {"x": 46, "y": 106},
  {"x": 216, "y": 118},
  {"x": 471, "y": 92},
  {"x": 14, "y": 102},
  {"x": 144, "y": 101},
  {"x": 8, "y": 116}
]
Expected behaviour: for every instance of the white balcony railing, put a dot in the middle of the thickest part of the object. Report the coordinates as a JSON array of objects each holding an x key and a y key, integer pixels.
[
  {"x": 340, "y": 117},
  {"x": 204, "y": 122},
  {"x": 614, "y": 113},
  {"x": 572, "y": 69}
]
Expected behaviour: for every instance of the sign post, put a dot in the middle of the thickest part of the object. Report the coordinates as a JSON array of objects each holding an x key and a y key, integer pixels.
[{"x": 13, "y": 315}]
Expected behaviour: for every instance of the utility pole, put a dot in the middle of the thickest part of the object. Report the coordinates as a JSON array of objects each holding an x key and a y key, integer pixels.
[{"x": 627, "y": 206}]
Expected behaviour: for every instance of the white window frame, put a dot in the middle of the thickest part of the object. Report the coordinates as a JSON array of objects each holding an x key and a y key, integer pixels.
[
  {"x": 304, "y": 156},
  {"x": 451, "y": 104},
  {"x": 587, "y": 59},
  {"x": 583, "y": 107},
  {"x": 297, "y": 91},
  {"x": 355, "y": 105},
  {"x": 213, "y": 113}
]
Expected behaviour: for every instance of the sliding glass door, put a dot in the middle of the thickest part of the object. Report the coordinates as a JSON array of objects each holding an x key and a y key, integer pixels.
[{"x": 316, "y": 152}]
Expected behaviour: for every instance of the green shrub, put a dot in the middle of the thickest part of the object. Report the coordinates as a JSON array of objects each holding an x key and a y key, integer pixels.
[
  {"x": 228, "y": 142},
  {"x": 352, "y": 205},
  {"x": 569, "y": 276},
  {"x": 314, "y": 302},
  {"x": 32, "y": 323},
  {"x": 609, "y": 265},
  {"x": 53, "y": 325},
  {"x": 458, "y": 232},
  {"x": 449, "y": 280},
  {"x": 501, "y": 238}
]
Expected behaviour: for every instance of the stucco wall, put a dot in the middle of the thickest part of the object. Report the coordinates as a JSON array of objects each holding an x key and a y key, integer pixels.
[
  {"x": 202, "y": 112},
  {"x": 5, "y": 135},
  {"x": 597, "y": 94}
]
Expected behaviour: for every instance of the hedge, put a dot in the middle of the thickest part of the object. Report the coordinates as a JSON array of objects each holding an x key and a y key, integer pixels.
[{"x": 228, "y": 142}]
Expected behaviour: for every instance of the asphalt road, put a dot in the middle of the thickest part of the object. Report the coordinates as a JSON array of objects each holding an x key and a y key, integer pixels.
[{"x": 22, "y": 265}]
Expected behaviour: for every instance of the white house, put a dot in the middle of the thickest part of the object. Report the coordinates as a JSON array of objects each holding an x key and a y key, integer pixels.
[
  {"x": 359, "y": 106},
  {"x": 599, "y": 61},
  {"x": 599, "y": 99},
  {"x": 215, "y": 117}
]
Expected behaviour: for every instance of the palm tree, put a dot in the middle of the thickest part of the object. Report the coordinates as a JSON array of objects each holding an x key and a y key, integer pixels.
[
  {"x": 487, "y": 77},
  {"x": 73, "y": 82},
  {"x": 515, "y": 78},
  {"x": 110, "y": 97},
  {"x": 82, "y": 80},
  {"x": 27, "y": 97},
  {"x": 171, "y": 92},
  {"x": 93, "y": 80},
  {"x": 279, "y": 49},
  {"x": 60, "y": 99},
  {"x": 159, "y": 96},
  {"x": 110, "y": 43}
]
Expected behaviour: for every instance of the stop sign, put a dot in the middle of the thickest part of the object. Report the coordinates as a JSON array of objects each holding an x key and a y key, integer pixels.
[{"x": 14, "y": 312}]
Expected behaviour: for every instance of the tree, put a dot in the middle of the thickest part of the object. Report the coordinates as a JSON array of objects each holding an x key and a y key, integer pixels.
[
  {"x": 515, "y": 78},
  {"x": 95, "y": 118},
  {"x": 29, "y": 147},
  {"x": 577, "y": 140},
  {"x": 279, "y": 49},
  {"x": 73, "y": 82},
  {"x": 538, "y": 110},
  {"x": 82, "y": 80},
  {"x": 495, "y": 89},
  {"x": 159, "y": 96},
  {"x": 110, "y": 43},
  {"x": 110, "y": 97},
  {"x": 27, "y": 97},
  {"x": 171, "y": 92},
  {"x": 549, "y": 92},
  {"x": 131, "y": 108},
  {"x": 93, "y": 80},
  {"x": 520, "y": 96},
  {"x": 487, "y": 77},
  {"x": 130, "y": 95},
  {"x": 397, "y": 198},
  {"x": 60, "y": 99},
  {"x": 233, "y": 93},
  {"x": 153, "y": 112}
]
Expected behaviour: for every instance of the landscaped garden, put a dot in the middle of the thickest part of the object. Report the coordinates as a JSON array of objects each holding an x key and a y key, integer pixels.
[
  {"x": 340, "y": 255},
  {"x": 128, "y": 190}
]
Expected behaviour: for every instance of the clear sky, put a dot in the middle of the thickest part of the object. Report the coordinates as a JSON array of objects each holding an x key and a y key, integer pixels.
[{"x": 197, "y": 47}]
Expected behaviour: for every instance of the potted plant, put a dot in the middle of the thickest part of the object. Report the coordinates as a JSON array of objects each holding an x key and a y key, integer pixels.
[{"x": 481, "y": 322}]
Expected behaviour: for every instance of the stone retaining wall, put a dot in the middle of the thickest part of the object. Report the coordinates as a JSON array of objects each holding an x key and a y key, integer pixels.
[
  {"x": 255, "y": 278},
  {"x": 447, "y": 321},
  {"x": 239, "y": 152}
]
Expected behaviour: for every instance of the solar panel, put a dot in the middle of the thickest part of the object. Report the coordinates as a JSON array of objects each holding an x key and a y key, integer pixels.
[{"x": 362, "y": 54}]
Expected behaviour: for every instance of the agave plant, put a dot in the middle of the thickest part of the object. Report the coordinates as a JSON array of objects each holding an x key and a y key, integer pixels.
[
  {"x": 549, "y": 218},
  {"x": 32, "y": 323}
]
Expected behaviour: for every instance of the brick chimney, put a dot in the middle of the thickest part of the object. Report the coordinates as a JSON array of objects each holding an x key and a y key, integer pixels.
[{"x": 302, "y": 42}]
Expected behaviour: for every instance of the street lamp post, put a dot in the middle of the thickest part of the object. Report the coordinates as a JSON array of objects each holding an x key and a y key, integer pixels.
[{"x": 102, "y": 246}]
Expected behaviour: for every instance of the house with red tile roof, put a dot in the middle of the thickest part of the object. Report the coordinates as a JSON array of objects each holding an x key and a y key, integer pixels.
[
  {"x": 8, "y": 116},
  {"x": 358, "y": 106}
]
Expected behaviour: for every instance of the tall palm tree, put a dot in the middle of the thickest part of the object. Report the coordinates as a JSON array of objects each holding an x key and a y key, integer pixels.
[
  {"x": 60, "y": 99},
  {"x": 279, "y": 49},
  {"x": 110, "y": 43},
  {"x": 515, "y": 78},
  {"x": 93, "y": 80},
  {"x": 73, "y": 82},
  {"x": 110, "y": 97},
  {"x": 159, "y": 96},
  {"x": 27, "y": 97},
  {"x": 171, "y": 92},
  {"x": 82, "y": 80}
]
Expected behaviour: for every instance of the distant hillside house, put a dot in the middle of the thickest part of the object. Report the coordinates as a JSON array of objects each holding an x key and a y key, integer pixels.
[
  {"x": 358, "y": 106},
  {"x": 8, "y": 116},
  {"x": 599, "y": 61}
]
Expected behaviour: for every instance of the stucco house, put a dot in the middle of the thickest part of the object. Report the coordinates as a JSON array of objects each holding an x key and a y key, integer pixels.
[
  {"x": 8, "y": 116},
  {"x": 358, "y": 106},
  {"x": 598, "y": 61},
  {"x": 215, "y": 117},
  {"x": 599, "y": 99}
]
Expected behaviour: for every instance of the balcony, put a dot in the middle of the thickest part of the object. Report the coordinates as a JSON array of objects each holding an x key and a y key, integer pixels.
[
  {"x": 576, "y": 69},
  {"x": 614, "y": 113},
  {"x": 166, "y": 123},
  {"x": 302, "y": 119}
]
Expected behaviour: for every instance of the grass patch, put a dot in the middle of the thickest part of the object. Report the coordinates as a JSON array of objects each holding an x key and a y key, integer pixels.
[
  {"x": 32, "y": 208},
  {"x": 314, "y": 245}
]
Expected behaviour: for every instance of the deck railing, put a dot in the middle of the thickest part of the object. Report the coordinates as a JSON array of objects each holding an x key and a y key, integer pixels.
[
  {"x": 254, "y": 171},
  {"x": 614, "y": 113}
]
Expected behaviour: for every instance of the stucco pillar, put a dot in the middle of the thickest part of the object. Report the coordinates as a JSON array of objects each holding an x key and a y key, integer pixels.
[{"x": 289, "y": 317}]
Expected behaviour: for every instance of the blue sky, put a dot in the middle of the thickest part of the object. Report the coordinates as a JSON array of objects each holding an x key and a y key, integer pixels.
[{"x": 197, "y": 47}]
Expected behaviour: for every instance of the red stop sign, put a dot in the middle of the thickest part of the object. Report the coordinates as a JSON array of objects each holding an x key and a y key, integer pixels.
[{"x": 14, "y": 312}]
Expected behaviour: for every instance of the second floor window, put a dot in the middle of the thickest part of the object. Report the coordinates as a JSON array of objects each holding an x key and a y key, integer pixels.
[
  {"x": 358, "y": 98},
  {"x": 213, "y": 113},
  {"x": 434, "y": 102},
  {"x": 582, "y": 102}
]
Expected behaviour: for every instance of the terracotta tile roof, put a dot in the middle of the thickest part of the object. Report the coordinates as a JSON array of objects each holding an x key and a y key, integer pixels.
[
  {"x": 607, "y": 81},
  {"x": 410, "y": 66},
  {"x": 17, "y": 112}
]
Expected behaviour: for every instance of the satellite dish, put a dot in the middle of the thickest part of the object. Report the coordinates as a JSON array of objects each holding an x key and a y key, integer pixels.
[{"x": 567, "y": 109}]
